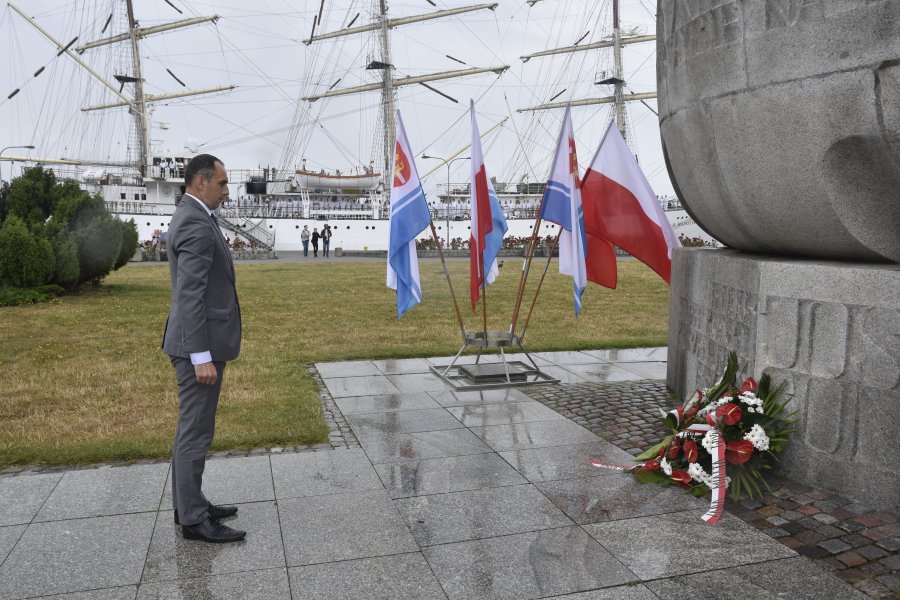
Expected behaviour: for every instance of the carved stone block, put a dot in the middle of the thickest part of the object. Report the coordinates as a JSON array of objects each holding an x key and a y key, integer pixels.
[{"x": 829, "y": 331}]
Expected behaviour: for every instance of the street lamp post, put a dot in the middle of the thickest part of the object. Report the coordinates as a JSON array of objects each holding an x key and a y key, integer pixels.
[
  {"x": 448, "y": 163},
  {"x": 1, "y": 154}
]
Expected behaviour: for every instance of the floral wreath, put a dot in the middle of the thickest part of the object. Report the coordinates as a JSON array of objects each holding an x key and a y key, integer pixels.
[{"x": 744, "y": 428}]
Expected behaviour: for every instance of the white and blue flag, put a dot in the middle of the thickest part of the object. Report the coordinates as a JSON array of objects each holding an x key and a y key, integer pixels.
[
  {"x": 409, "y": 217},
  {"x": 562, "y": 205}
]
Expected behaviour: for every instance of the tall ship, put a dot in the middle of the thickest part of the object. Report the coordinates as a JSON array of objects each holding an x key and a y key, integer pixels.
[{"x": 522, "y": 62}]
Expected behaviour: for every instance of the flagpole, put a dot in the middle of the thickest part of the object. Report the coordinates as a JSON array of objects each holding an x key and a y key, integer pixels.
[
  {"x": 462, "y": 326},
  {"x": 526, "y": 268},
  {"x": 483, "y": 296},
  {"x": 541, "y": 282}
]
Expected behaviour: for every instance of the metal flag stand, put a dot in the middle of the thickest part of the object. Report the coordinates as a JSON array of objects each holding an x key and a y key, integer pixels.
[{"x": 492, "y": 375}]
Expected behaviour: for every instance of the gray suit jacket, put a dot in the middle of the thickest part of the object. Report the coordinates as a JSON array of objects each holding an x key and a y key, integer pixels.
[{"x": 205, "y": 314}]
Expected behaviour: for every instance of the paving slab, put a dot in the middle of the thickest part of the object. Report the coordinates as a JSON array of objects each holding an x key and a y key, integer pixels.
[
  {"x": 524, "y": 566},
  {"x": 173, "y": 557},
  {"x": 476, "y": 514},
  {"x": 321, "y": 529},
  {"x": 597, "y": 499},
  {"x": 371, "y": 385},
  {"x": 622, "y": 592},
  {"x": 347, "y": 368},
  {"x": 565, "y": 358},
  {"x": 602, "y": 372},
  {"x": 117, "y": 593},
  {"x": 646, "y": 370},
  {"x": 565, "y": 462},
  {"x": 77, "y": 555},
  {"x": 403, "y": 366},
  {"x": 475, "y": 415},
  {"x": 795, "y": 578},
  {"x": 540, "y": 434},
  {"x": 421, "y": 445},
  {"x": 105, "y": 491},
  {"x": 418, "y": 382},
  {"x": 654, "y": 546},
  {"x": 407, "y": 421},
  {"x": 270, "y": 584},
  {"x": 448, "y": 398},
  {"x": 405, "y": 576},
  {"x": 631, "y": 354},
  {"x": 9, "y": 535},
  {"x": 442, "y": 475},
  {"x": 321, "y": 473},
  {"x": 564, "y": 375},
  {"x": 234, "y": 480},
  {"x": 22, "y": 497},
  {"x": 385, "y": 403}
]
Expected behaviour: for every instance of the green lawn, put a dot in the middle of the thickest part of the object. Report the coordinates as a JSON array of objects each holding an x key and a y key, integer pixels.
[{"x": 84, "y": 379}]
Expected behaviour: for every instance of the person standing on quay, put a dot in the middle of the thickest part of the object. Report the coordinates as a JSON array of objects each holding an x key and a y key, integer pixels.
[
  {"x": 326, "y": 239},
  {"x": 202, "y": 334},
  {"x": 304, "y": 237},
  {"x": 315, "y": 241}
]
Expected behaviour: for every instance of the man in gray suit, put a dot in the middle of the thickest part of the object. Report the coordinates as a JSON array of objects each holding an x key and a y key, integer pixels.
[{"x": 202, "y": 334}]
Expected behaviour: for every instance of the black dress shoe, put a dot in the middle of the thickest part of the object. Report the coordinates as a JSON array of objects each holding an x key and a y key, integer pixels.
[
  {"x": 215, "y": 512},
  {"x": 212, "y": 531}
]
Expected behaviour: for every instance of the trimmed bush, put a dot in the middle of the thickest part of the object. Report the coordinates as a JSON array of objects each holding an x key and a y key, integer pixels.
[
  {"x": 129, "y": 243},
  {"x": 26, "y": 260}
]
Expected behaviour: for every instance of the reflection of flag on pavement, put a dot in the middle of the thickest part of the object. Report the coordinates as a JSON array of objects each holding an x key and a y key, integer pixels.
[
  {"x": 562, "y": 205},
  {"x": 621, "y": 207},
  {"x": 409, "y": 216},
  {"x": 488, "y": 223}
]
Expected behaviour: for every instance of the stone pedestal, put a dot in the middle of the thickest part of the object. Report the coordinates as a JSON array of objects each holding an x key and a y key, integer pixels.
[{"x": 829, "y": 330}]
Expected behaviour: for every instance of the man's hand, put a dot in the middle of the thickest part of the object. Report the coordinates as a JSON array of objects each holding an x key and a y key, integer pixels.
[{"x": 206, "y": 373}]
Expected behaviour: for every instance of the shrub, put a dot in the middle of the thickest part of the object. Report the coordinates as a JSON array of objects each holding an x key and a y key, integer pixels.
[
  {"x": 129, "y": 236},
  {"x": 14, "y": 297},
  {"x": 26, "y": 259},
  {"x": 32, "y": 196},
  {"x": 99, "y": 243}
]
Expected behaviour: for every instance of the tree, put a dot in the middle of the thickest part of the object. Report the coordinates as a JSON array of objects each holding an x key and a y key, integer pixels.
[
  {"x": 65, "y": 254},
  {"x": 26, "y": 260},
  {"x": 33, "y": 195}
]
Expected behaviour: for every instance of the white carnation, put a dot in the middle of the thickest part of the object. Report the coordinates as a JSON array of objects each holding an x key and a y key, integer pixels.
[
  {"x": 666, "y": 467},
  {"x": 697, "y": 473},
  {"x": 757, "y": 436}
]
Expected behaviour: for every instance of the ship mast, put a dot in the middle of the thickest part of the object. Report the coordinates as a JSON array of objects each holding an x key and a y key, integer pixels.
[
  {"x": 619, "y": 98},
  {"x": 389, "y": 82},
  {"x": 137, "y": 105},
  {"x": 387, "y": 95}
]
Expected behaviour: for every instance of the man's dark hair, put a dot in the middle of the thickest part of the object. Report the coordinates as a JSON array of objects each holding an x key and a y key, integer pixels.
[{"x": 203, "y": 165}]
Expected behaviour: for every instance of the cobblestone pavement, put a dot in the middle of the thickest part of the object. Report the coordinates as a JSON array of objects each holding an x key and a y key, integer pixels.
[{"x": 858, "y": 543}]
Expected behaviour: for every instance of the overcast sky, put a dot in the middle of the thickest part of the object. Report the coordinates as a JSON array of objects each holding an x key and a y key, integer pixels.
[{"x": 257, "y": 46}]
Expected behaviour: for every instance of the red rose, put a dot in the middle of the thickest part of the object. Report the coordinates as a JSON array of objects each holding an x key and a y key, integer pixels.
[
  {"x": 674, "y": 449},
  {"x": 730, "y": 413},
  {"x": 690, "y": 451},
  {"x": 739, "y": 452},
  {"x": 749, "y": 385},
  {"x": 681, "y": 477}
]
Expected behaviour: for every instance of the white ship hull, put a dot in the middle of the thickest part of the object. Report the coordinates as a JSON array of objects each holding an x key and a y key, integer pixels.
[{"x": 372, "y": 234}]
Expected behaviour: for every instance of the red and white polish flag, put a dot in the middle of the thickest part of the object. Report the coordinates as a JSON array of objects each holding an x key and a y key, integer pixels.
[{"x": 621, "y": 207}]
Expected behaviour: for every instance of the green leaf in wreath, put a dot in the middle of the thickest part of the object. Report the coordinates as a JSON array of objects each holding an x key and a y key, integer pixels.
[{"x": 654, "y": 451}]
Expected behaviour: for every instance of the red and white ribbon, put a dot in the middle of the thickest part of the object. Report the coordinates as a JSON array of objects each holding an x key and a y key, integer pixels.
[{"x": 717, "y": 483}]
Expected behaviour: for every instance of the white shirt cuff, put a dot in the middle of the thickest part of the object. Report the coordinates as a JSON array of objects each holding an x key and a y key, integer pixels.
[{"x": 198, "y": 358}]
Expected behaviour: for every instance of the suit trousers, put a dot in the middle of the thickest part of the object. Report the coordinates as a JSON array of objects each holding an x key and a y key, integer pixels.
[{"x": 197, "y": 404}]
